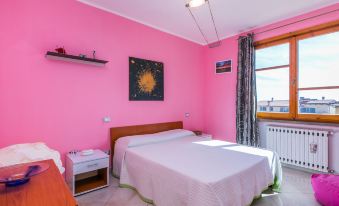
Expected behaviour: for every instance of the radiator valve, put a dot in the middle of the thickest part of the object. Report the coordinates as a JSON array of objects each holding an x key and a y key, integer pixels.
[{"x": 313, "y": 148}]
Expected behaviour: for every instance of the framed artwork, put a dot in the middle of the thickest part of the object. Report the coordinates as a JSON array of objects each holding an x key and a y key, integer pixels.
[
  {"x": 223, "y": 66},
  {"x": 146, "y": 80}
]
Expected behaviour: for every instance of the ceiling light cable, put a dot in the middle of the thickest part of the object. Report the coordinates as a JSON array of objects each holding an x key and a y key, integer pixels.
[
  {"x": 215, "y": 27},
  {"x": 211, "y": 45},
  {"x": 196, "y": 22}
]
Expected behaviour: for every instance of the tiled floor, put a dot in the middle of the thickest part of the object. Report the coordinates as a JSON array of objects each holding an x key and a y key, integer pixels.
[{"x": 296, "y": 191}]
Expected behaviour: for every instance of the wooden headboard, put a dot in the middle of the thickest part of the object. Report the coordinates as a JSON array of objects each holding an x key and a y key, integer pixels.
[{"x": 117, "y": 132}]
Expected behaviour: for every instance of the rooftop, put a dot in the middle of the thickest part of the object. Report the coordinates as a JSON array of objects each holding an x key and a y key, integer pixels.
[
  {"x": 325, "y": 101},
  {"x": 274, "y": 103}
]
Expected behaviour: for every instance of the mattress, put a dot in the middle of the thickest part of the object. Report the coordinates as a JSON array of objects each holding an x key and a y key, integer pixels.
[{"x": 192, "y": 171}]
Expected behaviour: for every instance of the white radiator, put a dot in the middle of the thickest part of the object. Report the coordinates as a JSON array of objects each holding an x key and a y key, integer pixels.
[{"x": 307, "y": 148}]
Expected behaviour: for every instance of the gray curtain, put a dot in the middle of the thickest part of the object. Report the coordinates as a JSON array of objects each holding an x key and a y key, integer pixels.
[{"x": 246, "y": 94}]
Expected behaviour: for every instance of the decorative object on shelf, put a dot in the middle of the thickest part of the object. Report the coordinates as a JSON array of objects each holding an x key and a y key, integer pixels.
[
  {"x": 223, "y": 66},
  {"x": 198, "y": 3},
  {"x": 82, "y": 55},
  {"x": 146, "y": 80},
  {"x": 60, "y": 50},
  {"x": 18, "y": 175},
  {"x": 93, "y": 54},
  {"x": 73, "y": 58}
]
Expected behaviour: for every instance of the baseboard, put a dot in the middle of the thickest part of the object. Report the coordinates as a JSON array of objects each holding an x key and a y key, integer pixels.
[{"x": 305, "y": 169}]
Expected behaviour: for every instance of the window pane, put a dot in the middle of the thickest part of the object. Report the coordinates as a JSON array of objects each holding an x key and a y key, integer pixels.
[
  {"x": 273, "y": 90},
  {"x": 272, "y": 56},
  {"x": 325, "y": 101},
  {"x": 319, "y": 61}
]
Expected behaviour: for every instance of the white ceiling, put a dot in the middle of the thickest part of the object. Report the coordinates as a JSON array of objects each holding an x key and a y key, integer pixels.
[{"x": 231, "y": 16}]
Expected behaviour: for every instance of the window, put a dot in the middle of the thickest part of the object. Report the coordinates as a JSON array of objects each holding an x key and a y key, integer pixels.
[
  {"x": 318, "y": 68},
  {"x": 297, "y": 75},
  {"x": 272, "y": 73},
  {"x": 283, "y": 109},
  {"x": 307, "y": 110},
  {"x": 262, "y": 108}
]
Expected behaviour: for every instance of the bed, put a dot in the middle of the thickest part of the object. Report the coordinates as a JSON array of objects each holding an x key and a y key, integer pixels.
[{"x": 167, "y": 165}]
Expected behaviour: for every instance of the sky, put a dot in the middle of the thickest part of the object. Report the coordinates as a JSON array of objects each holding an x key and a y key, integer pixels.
[{"x": 318, "y": 66}]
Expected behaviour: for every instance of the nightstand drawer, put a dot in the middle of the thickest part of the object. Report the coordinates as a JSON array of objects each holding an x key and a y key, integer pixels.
[{"x": 90, "y": 166}]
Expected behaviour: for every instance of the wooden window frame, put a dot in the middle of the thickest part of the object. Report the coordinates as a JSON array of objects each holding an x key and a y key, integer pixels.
[{"x": 292, "y": 38}]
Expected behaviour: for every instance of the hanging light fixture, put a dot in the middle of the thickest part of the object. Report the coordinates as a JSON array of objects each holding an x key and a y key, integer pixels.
[{"x": 197, "y": 3}]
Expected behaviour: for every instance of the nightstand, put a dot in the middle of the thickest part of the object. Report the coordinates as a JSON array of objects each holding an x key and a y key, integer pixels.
[{"x": 87, "y": 173}]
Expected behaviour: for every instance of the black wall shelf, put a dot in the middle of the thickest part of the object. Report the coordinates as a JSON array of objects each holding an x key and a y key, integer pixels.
[{"x": 77, "y": 59}]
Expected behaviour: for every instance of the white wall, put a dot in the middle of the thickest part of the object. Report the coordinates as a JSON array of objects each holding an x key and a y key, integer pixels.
[{"x": 333, "y": 139}]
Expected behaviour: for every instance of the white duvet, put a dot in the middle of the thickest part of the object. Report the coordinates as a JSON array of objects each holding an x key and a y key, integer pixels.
[
  {"x": 193, "y": 172},
  {"x": 30, "y": 152}
]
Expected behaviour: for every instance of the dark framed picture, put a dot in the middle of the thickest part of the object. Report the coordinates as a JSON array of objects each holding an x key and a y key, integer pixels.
[
  {"x": 223, "y": 66},
  {"x": 146, "y": 80}
]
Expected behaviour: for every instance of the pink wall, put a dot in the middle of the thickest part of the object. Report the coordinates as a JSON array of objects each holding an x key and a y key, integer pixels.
[
  {"x": 220, "y": 90},
  {"x": 63, "y": 103}
]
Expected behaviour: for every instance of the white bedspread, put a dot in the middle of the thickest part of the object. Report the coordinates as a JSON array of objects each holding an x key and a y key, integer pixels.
[
  {"x": 30, "y": 152},
  {"x": 137, "y": 140},
  {"x": 192, "y": 172}
]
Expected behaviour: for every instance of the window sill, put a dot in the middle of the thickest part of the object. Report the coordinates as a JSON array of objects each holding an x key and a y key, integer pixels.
[{"x": 334, "y": 121}]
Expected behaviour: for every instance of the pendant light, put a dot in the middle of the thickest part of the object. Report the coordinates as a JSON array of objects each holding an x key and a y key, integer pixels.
[{"x": 198, "y": 3}]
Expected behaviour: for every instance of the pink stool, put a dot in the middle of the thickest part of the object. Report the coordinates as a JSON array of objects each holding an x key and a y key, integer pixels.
[{"x": 326, "y": 189}]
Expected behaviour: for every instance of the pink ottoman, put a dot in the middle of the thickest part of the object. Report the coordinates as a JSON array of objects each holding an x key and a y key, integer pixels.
[{"x": 326, "y": 189}]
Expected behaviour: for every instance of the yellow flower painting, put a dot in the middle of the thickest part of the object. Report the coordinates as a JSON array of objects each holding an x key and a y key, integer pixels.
[{"x": 146, "y": 80}]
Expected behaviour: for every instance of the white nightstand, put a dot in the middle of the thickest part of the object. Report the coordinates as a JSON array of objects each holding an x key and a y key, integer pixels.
[
  {"x": 87, "y": 173},
  {"x": 205, "y": 136}
]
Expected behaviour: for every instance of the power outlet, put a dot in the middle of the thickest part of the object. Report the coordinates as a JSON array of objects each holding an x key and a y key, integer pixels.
[{"x": 106, "y": 119}]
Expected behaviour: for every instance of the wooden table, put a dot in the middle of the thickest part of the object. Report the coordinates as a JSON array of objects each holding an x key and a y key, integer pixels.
[{"x": 47, "y": 188}]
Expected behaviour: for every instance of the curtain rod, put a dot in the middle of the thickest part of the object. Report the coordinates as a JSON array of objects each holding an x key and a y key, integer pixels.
[{"x": 301, "y": 20}]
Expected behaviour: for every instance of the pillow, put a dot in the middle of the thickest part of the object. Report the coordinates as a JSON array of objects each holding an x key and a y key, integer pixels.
[
  {"x": 139, "y": 140},
  {"x": 326, "y": 189}
]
